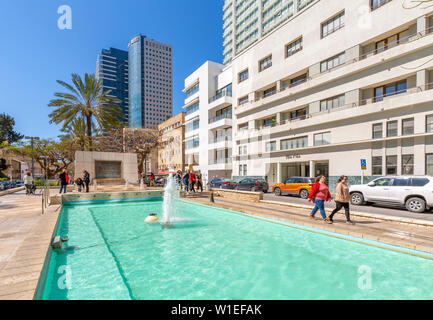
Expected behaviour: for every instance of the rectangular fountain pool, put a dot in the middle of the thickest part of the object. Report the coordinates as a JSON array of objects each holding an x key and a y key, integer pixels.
[{"x": 220, "y": 254}]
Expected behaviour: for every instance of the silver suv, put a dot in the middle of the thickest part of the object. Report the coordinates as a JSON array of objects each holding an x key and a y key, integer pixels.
[{"x": 413, "y": 192}]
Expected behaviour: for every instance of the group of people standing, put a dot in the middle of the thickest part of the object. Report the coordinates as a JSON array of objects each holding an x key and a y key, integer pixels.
[
  {"x": 189, "y": 181},
  {"x": 81, "y": 183},
  {"x": 320, "y": 194}
]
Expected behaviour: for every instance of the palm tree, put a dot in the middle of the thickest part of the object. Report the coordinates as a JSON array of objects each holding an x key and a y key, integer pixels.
[{"x": 87, "y": 101}]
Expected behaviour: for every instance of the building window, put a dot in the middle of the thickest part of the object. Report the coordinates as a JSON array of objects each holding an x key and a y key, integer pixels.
[
  {"x": 429, "y": 123},
  {"x": 332, "y": 103},
  {"x": 193, "y": 90},
  {"x": 243, "y": 127},
  {"x": 429, "y": 164},
  {"x": 392, "y": 41},
  {"x": 407, "y": 164},
  {"x": 271, "y": 146},
  {"x": 243, "y": 76},
  {"x": 322, "y": 139},
  {"x": 300, "y": 114},
  {"x": 243, "y": 150},
  {"x": 377, "y": 131},
  {"x": 392, "y": 129},
  {"x": 390, "y": 90},
  {"x": 293, "y": 47},
  {"x": 391, "y": 165},
  {"x": 296, "y": 143},
  {"x": 408, "y": 126},
  {"x": 243, "y": 170},
  {"x": 377, "y": 166},
  {"x": 298, "y": 80},
  {"x": 265, "y": 63},
  {"x": 332, "y": 63},
  {"x": 332, "y": 25},
  {"x": 374, "y": 4},
  {"x": 270, "y": 122},
  {"x": 269, "y": 92},
  {"x": 243, "y": 100}
]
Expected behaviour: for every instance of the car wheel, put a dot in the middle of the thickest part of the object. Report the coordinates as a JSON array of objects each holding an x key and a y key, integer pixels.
[
  {"x": 416, "y": 205},
  {"x": 277, "y": 192},
  {"x": 304, "y": 194},
  {"x": 357, "y": 199}
]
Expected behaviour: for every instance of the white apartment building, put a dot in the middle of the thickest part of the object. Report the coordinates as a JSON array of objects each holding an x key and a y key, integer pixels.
[
  {"x": 208, "y": 121},
  {"x": 334, "y": 83}
]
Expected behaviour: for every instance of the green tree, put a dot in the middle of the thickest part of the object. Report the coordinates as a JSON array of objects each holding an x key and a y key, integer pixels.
[
  {"x": 87, "y": 101},
  {"x": 52, "y": 156},
  {"x": 7, "y": 133}
]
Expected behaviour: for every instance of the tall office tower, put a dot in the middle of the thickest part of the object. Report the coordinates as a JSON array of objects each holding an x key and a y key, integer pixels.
[
  {"x": 150, "y": 82},
  {"x": 246, "y": 21},
  {"x": 112, "y": 69}
]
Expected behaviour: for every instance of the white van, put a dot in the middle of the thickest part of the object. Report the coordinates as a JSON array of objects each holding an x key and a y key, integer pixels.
[{"x": 414, "y": 192}]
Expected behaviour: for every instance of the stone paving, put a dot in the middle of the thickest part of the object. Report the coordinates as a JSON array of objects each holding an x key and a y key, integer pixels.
[{"x": 25, "y": 235}]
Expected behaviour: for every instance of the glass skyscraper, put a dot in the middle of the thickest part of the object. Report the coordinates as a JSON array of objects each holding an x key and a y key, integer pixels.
[
  {"x": 112, "y": 69},
  {"x": 150, "y": 82}
]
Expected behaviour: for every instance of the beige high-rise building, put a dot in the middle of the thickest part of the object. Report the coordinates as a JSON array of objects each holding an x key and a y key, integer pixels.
[{"x": 171, "y": 157}]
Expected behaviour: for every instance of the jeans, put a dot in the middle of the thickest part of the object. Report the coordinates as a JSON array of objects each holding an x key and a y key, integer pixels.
[
  {"x": 63, "y": 187},
  {"x": 199, "y": 185},
  {"x": 28, "y": 188},
  {"x": 186, "y": 184},
  {"x": 320, "y": 205},
  {"x": 338, "y": 208},
  {"x": 87, "y": 185}
]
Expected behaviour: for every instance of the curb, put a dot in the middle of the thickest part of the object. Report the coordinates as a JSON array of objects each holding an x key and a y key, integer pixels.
[
  {"x": 14, "y": 190},
  {"x": 418, "y": 222}
]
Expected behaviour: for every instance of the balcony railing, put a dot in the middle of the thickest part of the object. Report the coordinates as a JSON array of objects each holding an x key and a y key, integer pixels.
[
  {"x": 227, "y": 115},
  {"x": 220, "y": 139},
  {"x": 360, "y": 103},
  {"x": 390, "y": 45},
  {"x": 220, "y": 95},
  {"x": 221, "y": 161}
]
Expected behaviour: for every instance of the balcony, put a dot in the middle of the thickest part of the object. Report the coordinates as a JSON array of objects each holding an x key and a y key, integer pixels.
[
  {"x": 223, "y": 142},
  {"x": 221, "y": 164},
  {"x": 368, "y": 60},
  {"x": 409, "y": 97},
  {"x": 222, "y": 121},
  {"x": 222, "y": 100}
]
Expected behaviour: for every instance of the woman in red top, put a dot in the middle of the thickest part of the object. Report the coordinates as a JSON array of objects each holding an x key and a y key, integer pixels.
[
  {"x": 319, "y": 195},
  {"x": 192, "y": 180}
]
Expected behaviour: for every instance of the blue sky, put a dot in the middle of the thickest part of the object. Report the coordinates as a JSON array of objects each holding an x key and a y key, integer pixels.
[{"x": 34, "y": 52}]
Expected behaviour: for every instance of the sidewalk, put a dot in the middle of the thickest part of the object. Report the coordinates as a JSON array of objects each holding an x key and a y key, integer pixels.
[{"x": 25, "y": 235}]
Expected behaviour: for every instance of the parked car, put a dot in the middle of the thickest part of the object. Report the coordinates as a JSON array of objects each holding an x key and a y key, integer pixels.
[
  {"x": 415, "y": 193},
  {"x": 4, "y": 185},
  {"x": 12, "y": 184},
  {"x": 295, "y": 186},
  {"x": 222, "y": 183},
  {"x": 19, "y": 184},
  {"x": 251, "y": 184}
]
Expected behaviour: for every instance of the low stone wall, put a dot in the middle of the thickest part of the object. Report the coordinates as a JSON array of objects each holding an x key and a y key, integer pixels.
[
  {"x": 239, "y": 195},
  {"x": 10, "y": 191},
  {"x": 105, "y": 196}
]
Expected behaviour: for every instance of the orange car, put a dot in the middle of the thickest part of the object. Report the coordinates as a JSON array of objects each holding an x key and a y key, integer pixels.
[{"x": 295, "y": 186}]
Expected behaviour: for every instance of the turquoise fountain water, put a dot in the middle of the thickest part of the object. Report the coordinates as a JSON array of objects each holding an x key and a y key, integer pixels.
[{"x": 219, "y": 254}]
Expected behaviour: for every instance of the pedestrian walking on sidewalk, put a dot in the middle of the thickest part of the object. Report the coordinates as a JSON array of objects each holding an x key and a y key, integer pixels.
[
  {"x": 319, "y": 195},
  {"x": 28, "y": 183},
  {"x": 199, "y": 178},
  {"x": 342, "y": 199}
]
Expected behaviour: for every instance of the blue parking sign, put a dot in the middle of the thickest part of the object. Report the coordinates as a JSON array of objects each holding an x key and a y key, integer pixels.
[{"x": 364, "y": 164}]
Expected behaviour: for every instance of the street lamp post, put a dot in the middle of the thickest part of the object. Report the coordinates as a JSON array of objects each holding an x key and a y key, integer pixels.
[{"x": 32, "y": 139}]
